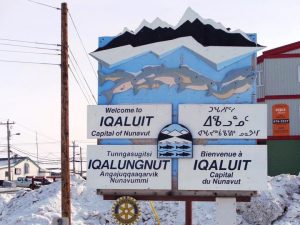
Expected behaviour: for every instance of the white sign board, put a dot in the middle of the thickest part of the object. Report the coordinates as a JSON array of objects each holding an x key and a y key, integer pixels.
[
  {"x": 127, "y": 121},
  {"x": 127, "y": 167},
  {"x": 224, "y": 167},
  {"x": 225, "y": 121}
]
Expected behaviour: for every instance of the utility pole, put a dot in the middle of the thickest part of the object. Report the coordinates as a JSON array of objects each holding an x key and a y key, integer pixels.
[
  {"x": 80, "y": 162},
  {"x": 65, "y": 159},
  {"x": 8, "y": 145},
  {"x": 37, "y": 148},
  {"x": 74, "y": 146}
]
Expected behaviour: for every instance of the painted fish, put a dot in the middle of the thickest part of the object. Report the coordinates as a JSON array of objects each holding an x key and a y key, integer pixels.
[
  {"x": 166, "y": 147},
  {"x": 183, "y": 147},
  {"x": 147, "y": 72},
  {"x": 114, "y": 76},
  {"x": 245, "y": 84},
  {"x": 236, "y": 87},
  {"x": 183, "y": 154},
  {"x": 146, "y": 85},
  {"x": 225, "y": 92},
  {"x": 165, "y": 75},
  {"x": 154, "y": 77},
  {"x": 235, "y": 75},
  {"x": 121, "y": 86},
  {"x": 189, "y": 79},
  {"x": 166, "y": 154}
]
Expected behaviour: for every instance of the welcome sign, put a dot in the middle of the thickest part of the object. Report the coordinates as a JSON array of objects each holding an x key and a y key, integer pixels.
[
  {"x": 127, "y": 167},
  {"x": 224, "y": 167},
  {"x": 225, "y": 121},
  {"x": 127, "y": 121},
  {"x": 197, "y": 74}
]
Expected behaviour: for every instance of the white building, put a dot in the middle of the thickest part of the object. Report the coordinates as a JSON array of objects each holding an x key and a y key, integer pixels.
[{"x": 20, "y": 167}]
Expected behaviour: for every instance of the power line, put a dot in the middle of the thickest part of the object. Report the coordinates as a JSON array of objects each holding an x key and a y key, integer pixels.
[
  {"x": 38, "y": 53},
  {"x": 32, "y": 155},
  {"x": 34, "y": 131},
  {"x": 29, "y": 143},
  {"x": 82, "y": 45},
  {"x": 48, "y": 163},
  {"x": 80, "y": 80},
  {"x": 31, "y": 42},
  {"x": 27, "y": 46},
  {"x": 29, "y": 62},
  {"x": 39, "y": 3},
  {"x": 86, "y": 141},
  {"x": 83, "y": 76},
  {"x": 79, "y": 85}
]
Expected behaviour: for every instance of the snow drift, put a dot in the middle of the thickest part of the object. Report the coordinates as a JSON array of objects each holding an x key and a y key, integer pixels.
[{"x": 279, "y": 205}]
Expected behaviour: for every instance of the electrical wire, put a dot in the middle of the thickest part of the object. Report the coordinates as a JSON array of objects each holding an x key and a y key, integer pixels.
[
  {"x": 27, "y": 46},
  {"x": 86, "y": 141},
  {"x": 34, "y": 132},
  {"x": 39, "y": 3},
  {"x": 31, "y": 42},
  {"x": 38, "y": 53},
  {"x": 32, "y": 155},
  {"x": 34, "y": 143},
  {"x": 29, "y": 62},
  {"x": 72, "y": 55},
  {"x": 79, "y": 85},
  {"x": 48, "y": 163},
  {"x": 73, "y": 22},
  {"x": 79, "y": 79},
  {"x": 41, "y": 159}
]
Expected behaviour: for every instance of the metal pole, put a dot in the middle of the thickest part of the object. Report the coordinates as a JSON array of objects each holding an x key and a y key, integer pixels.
[
  {"x": 188, "y": 212},
  {"x": 73, "y": 156},
  {"x": 8, "y": 150},
  {"x": 65, "y": 159},
  {"x": 37, "y": 148},
  {"x": 80, "y": 162},
  {"x": 8, "y": 147}
]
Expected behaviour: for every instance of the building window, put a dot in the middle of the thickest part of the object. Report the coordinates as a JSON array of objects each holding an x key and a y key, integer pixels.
[
  {"x": 26, "y": 168},
  {"x": 259, "y": 78},
  {"x": 18, "y": 171}
]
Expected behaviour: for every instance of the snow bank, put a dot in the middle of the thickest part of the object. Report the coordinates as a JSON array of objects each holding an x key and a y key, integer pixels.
[{"x": 279, "y": 205}]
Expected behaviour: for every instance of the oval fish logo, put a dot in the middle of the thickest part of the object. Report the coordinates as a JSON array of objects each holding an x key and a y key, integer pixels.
[{"x": 175, "y": 141}]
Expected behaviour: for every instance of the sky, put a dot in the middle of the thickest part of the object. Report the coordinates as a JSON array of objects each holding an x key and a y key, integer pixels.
[{"x": 30, "y": 93}]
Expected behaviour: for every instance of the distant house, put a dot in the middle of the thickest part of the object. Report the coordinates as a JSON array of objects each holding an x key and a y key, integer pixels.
[
  {"x": 20, "y": 167},
  {"x": 278, "y": 86}
]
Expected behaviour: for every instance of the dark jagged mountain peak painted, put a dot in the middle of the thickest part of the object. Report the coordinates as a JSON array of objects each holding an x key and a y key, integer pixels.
[{"x": 205, "y": 32}]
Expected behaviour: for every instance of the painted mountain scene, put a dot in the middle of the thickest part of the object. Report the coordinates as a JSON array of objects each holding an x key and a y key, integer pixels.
[{"x": 195, "y": 61}]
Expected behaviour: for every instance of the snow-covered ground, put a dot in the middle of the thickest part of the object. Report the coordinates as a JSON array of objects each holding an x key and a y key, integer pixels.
[{"x": 279, "y": 205}]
